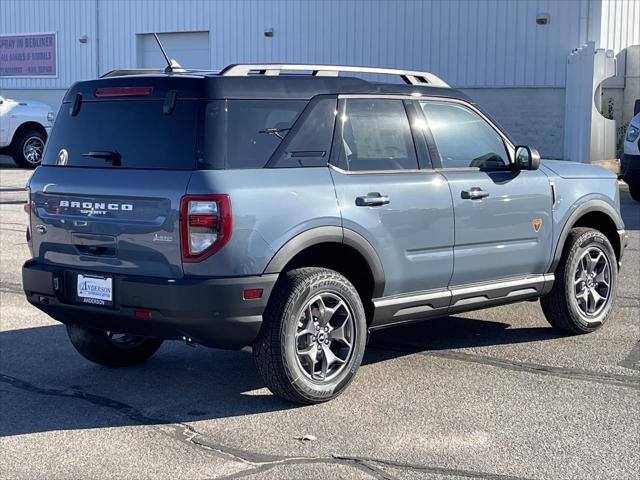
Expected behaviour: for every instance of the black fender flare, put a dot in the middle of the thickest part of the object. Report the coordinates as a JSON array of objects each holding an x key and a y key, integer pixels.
[
  {"x": 330, "y": 234},
  {"x": 590, "y": 206}
]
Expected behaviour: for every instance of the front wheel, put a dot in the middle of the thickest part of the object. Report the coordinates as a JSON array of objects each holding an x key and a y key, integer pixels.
[
  {"x": 313, "y": 336},
  {"x": 111, "y": 349},
  {"x": 584, "y": 291},
  {"x": 27, "y": 148}
]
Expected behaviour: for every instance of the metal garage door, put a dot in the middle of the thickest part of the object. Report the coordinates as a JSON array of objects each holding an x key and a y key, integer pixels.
[{"x": 190, "y": 49}]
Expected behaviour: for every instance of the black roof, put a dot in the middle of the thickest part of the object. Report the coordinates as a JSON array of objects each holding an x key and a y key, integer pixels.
[{"x": 200, "y": 84}]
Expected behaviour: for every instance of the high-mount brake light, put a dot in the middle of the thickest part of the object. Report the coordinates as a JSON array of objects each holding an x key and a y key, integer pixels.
[
  {"x": 123, "y": 91},
  {"x": 205, "y": 225}
]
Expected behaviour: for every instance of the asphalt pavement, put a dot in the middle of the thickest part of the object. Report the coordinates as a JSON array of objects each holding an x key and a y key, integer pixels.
[{"x": 493, "y": 394}]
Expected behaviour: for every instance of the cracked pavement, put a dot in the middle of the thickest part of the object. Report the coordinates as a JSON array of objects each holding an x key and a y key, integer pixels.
[{"x": 493, "y": 394}]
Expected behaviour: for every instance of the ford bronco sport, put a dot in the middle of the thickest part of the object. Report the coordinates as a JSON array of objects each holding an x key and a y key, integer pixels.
[{"x": 293, "y": 210}]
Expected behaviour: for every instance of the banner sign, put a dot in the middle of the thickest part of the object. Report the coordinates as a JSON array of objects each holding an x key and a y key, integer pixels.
[{"x": 29, "y": 55}]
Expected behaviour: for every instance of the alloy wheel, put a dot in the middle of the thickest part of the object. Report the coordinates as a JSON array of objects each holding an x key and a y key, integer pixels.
[
  {"x": 325, "y": 336},
  {"x": 32, "y": 150},
  {"x": 592, "y": 282}
]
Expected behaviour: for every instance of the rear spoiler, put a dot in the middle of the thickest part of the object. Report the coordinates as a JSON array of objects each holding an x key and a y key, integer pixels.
[{"x": 124, "y": 72}]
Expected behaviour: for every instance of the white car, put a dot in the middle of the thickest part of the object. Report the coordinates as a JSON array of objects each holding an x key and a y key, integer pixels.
[
  {"x": 630, "y": 163},
  {"x": 24, "y": 129}
]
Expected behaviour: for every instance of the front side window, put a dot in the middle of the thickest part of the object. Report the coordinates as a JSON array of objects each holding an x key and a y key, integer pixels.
[
  {"x": 374, "y": 134},
  {"x": 464, "y": 138}
]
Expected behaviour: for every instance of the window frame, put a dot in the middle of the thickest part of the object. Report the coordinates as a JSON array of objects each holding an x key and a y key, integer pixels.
[
  {"x": 297, "y": 126},
  {"x": 419, "y": 144},
  {"x": 433, "y": 147}
]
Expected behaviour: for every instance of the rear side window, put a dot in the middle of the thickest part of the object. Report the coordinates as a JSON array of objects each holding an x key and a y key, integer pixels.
[
  {"x": 136, "y": 130},
  {"x": 245, "y": 133},
  {"x": 374, "y": 134}
]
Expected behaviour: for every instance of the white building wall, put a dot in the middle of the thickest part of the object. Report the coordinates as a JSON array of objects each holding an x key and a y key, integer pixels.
[
  {"x": 620, "y": 24},
  {"x": 470, "y": 43},
  {"x": 483, "y": 43}
]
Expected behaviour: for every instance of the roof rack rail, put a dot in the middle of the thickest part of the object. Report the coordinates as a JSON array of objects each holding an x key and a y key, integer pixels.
[{"x": 408, "y": 76}]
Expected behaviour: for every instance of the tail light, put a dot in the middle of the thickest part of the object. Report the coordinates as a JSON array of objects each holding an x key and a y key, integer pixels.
[
  {"x": 27, "y": 210},
  {"x": 205, "y": 225}
]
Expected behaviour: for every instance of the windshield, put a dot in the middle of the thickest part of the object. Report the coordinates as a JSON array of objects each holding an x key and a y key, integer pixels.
[{"x": 125, "y": 134}]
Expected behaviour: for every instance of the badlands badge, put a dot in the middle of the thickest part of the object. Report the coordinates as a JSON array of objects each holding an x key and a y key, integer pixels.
[{"x": 536, "y": 223}]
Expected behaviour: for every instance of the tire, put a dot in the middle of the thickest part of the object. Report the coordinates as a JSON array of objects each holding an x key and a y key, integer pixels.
[
  {"x": 634, "y": 191},
  {"x": 108, "y": 350},
  {"x": 561, "y": 306},
  {"x": 25, "y": 144},
  {"x": 294, "y": 325}
]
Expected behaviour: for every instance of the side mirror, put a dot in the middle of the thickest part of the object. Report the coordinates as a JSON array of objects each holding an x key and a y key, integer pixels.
[
  {"x": 527, "y": 158},
  {"x": 636, "y": 107}
]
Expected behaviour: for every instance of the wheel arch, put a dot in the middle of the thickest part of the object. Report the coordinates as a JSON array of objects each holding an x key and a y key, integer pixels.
[
  {"x": 340, "y": 249},
  {"x": 596, "y": 214},
  {"x": 27, "y": 126}
]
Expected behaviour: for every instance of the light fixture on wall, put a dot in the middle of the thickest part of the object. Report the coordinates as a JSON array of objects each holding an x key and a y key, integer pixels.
[
  {"x": 268, "y": 32},
  {"x": 83, "y": 38},
  {"x": 542, "y": 18}
]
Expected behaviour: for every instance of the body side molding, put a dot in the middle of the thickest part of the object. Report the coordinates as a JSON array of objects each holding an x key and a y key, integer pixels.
[{"x": 418, "y": 306}]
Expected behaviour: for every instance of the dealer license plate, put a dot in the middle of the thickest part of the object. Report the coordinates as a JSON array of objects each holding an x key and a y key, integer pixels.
[{"x": 95, "y": 289}]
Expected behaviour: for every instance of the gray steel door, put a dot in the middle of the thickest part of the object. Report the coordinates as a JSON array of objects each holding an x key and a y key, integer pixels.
[
  {"x": 503, "y": 225},
  {"x": 405, "y": 212},
  {"x": 505, "y": 234}
]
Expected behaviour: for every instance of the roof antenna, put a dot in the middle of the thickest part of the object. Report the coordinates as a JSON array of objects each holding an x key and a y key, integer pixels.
[{"x": 172, "y": 65}]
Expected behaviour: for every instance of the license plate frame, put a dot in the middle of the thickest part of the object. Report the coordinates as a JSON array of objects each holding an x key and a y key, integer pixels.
[{"x": 94, "y": 289}]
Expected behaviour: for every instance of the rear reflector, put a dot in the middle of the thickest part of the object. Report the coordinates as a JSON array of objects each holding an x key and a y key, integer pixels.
[
  {"x": 252, "y": 293},
  {"x": 123, "y": 91},
  {"x": 142, "y": 314},
  {"x": 209, "y": 221}
]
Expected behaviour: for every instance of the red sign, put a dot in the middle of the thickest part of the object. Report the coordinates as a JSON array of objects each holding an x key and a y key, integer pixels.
[{"x": 29, "y": 55}]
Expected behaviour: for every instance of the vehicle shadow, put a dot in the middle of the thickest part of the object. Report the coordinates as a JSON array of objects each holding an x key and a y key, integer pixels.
[
  {"x": 450, "y": 333},
  {"x": 44, "y": 383}
]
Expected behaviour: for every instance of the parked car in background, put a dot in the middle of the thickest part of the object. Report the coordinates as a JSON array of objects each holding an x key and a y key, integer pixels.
[
  {"x": 630, "y": 163},
  {"x": 295, "y": 213},
  {"x": 24, "y": 128}
]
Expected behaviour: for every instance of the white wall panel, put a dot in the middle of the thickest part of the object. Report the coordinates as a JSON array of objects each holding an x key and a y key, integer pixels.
[
  {"x": 469, "y": 43},
  {"x": 620, "y": 24}
]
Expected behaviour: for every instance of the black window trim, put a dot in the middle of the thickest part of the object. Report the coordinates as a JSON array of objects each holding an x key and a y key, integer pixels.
[
  {"x": 295, "y": 128},
  {"x": 336, "y": 146}
]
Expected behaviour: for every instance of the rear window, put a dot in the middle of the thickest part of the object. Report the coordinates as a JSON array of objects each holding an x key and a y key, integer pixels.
[
  {"x": 136, "y": 130},
  {"x": 245, "y": 133}
]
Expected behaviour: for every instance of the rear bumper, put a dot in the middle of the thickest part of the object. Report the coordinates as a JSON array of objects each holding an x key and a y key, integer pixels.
[{"x": 209, "y": 311}]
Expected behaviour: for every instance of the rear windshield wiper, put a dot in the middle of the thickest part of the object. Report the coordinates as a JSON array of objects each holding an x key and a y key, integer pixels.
[
  {"x": 109, "y": 156},
  {"x": 274, "y": 131}
]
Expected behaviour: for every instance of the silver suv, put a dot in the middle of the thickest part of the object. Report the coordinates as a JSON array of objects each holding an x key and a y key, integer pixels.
[{"x": 291, "y": 209}]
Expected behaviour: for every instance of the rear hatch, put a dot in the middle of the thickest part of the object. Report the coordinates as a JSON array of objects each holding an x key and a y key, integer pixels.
[{"x": 118, "y": 161}]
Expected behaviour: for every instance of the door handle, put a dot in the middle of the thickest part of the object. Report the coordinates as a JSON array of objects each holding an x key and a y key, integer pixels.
[
  {"x": 372, "y": 199},
  {"x": 474, "y": 193}
]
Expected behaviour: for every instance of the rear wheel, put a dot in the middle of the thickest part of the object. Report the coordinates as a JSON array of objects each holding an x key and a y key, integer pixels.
[
  {"x": 583, "y": 294},
  {"x": 111, "y": 349},
  {"x": 313, "y": 336},
  {"x": 27, "y": 148}
]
